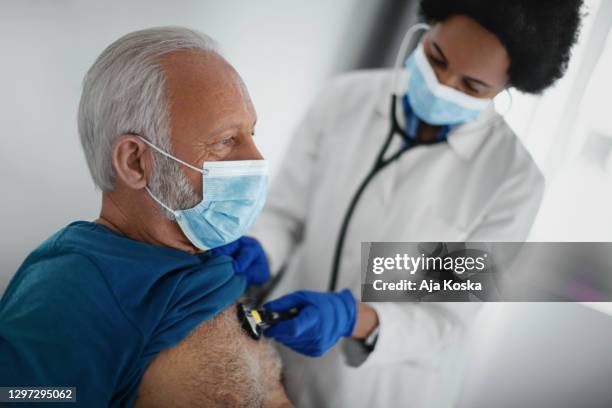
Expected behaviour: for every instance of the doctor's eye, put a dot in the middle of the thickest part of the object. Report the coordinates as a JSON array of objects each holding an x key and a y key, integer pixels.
[
  {"x": 470, "y": 88},
  {"x": 438, "y": 62}
]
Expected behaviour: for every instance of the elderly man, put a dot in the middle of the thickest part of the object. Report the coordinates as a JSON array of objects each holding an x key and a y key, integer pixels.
[{"x": 133, "y": 309}]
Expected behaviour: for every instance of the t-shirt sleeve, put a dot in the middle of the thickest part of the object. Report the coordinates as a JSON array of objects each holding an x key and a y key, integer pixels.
[{"x": 61, "y": 326}]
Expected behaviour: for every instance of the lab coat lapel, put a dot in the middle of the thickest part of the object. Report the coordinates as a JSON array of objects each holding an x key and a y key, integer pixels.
[{"x": 465, "y": 139}]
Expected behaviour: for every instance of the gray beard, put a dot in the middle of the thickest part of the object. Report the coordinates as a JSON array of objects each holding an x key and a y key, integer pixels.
[{"x": 170, "y": 185}]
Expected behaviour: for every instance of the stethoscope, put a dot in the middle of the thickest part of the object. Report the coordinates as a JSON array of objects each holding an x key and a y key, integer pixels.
[{"x": 381, "y": 162}]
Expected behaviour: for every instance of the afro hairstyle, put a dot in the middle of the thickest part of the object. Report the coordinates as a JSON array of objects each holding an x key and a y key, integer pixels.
[{"x": 537, "y": 34}]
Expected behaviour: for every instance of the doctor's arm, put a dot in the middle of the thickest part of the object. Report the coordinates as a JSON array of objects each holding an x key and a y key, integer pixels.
[{"x": 409, "y": 332}]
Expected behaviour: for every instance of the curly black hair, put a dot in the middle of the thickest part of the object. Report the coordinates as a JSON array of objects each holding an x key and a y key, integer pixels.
[{"x": 537, "y": 34}]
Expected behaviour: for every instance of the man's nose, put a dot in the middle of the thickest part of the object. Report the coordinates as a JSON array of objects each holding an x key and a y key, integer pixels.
[{"x": 248, "y": 150}]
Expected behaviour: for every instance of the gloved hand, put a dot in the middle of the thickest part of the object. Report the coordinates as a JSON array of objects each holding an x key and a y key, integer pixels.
[
  {"x": 249, "y": 259},
  {"x": 322, "y": 319}
]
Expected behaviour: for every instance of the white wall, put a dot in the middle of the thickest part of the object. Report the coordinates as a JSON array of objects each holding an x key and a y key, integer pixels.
[{"x": 283, "y": 50}]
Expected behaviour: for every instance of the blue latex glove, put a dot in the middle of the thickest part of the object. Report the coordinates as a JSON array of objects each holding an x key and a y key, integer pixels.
[
  {"x": 322, "y": 319},
  {"x": 249, "y": 259}
]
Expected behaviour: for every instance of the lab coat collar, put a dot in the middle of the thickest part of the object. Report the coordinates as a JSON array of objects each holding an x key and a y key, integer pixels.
[{"x": 465, "y": 139}]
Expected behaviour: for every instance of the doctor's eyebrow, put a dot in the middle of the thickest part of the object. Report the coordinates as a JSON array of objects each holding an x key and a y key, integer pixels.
[
  {"x": 437, "y": 47},
  {"x": 468, "y": 78}
]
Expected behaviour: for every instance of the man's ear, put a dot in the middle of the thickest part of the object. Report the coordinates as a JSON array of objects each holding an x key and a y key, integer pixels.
[{"x": 131, "y": 161}]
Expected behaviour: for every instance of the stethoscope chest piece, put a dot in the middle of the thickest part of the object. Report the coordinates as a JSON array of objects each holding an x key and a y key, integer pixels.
[{"x": 255, "y": 321}]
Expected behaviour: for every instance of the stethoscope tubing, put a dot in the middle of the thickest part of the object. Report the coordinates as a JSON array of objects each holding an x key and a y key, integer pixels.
[{"x": 379, "y": 164}]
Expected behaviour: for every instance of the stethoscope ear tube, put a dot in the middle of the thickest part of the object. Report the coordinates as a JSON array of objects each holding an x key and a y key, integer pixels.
[
  {"x": 401, "y": 56},
  {"x": 380, "y": 162},
  {"x": 379, "y": 165}
]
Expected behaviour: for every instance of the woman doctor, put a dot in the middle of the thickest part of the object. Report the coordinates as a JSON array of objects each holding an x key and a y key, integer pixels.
[{"x": 462, "y": 175}]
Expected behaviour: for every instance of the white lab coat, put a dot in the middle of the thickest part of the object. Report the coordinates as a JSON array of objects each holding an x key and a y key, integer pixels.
[{"x": 481, "y": 185}]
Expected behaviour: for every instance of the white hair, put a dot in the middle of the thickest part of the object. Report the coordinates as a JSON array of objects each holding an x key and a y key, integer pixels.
[{"x": 124, "y": 92}]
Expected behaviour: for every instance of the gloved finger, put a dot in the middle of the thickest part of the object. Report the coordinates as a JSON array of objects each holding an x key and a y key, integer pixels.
[
  {"x": 296, "y": 328},
  {"x": 245, "y": 257},
  {"x": 302, "y": 328},
  {"x": 285, "y": 302},
  {"x": 227, "y": 249}
]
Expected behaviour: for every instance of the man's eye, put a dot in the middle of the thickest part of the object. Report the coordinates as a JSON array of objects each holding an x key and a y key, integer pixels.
[{"x": 226, "y": 141}]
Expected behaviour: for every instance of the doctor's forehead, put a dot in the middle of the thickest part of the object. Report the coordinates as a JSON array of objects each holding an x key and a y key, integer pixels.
[
  {"x": 205, "y": 95},
  {"x": 470, "y": 49}
]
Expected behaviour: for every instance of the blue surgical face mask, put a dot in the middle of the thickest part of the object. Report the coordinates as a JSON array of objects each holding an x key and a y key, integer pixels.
[
  {"x": 436, "y": 103},
  {"x": 233, "y": 194}
]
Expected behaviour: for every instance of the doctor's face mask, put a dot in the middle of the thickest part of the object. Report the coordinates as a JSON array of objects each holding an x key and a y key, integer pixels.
[
  {"x": 233, "y": 194},
  {"x": 436, "y": 103}
]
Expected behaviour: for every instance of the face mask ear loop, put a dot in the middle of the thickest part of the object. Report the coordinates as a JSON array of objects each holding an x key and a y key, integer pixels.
[
  {"x": 401, "y": 57},
  {"x": 158, "y": 201},
  {"x": 168, "y": 155}
]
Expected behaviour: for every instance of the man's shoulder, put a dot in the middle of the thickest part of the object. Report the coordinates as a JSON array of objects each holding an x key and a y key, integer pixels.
[
  {"x": 59, "y": 264},
  {"x": 55, "y": 274},
  {"x": 59, "y": 321},
  {"x": 56, "y": 289},
  {"x": 54, "y": 280},
  {"x": 56, "y": 258}
]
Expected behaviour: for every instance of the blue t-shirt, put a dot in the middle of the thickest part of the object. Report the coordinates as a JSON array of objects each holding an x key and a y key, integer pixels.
[{"x": 90, "y": 309}]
